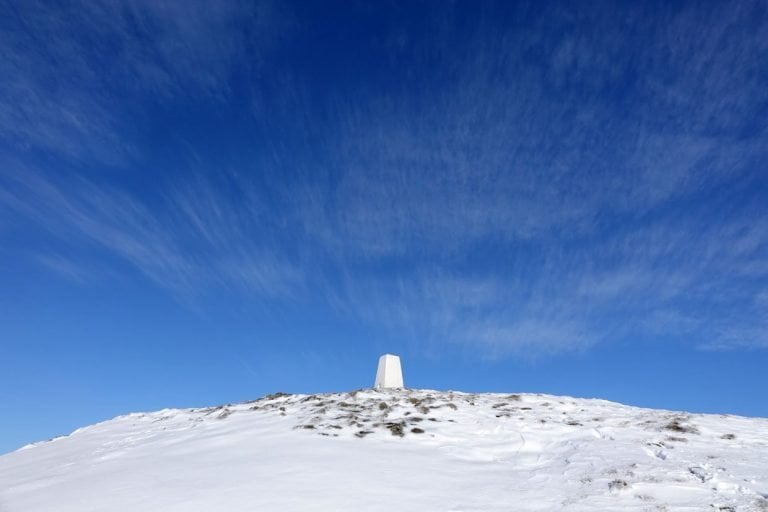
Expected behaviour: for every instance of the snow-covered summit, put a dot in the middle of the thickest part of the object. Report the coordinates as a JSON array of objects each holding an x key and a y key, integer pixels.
[{"x": 404, "y": 450}]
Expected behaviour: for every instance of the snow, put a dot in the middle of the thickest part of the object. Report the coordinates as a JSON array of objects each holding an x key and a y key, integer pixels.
[{"x": 404, "y": 450}]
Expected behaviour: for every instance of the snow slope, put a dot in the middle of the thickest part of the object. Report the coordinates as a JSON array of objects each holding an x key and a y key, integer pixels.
[{"x": 409, "y": 450}]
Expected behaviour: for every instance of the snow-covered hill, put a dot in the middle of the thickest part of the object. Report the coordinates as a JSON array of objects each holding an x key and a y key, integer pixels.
[{"x": 409, "y": 450}]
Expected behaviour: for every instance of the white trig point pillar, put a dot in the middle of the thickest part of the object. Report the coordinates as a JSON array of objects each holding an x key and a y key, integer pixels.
[{"x": 389, "y": 373}]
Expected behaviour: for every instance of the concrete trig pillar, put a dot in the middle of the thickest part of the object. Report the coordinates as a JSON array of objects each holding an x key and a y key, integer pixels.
[{"x": 389, "y": 373}]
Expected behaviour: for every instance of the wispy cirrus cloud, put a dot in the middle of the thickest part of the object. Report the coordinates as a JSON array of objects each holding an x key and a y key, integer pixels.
[
  {"x": 689, "y": 282},
  {"x": 585, "y": 176},
  {"x": 519, "y": 149},
  {"x": 74, "y": 78},
  {"x": 169, "y": 243}
]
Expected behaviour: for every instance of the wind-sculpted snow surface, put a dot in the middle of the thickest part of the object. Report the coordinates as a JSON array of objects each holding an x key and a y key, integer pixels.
[{"x": 406, "y": 450}]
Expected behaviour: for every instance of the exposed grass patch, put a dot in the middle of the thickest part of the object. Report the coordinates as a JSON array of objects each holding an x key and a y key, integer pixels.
[
  {"x": 274, "y": 396},
  {"x": 617, "y": 485},
  {"x": 397, "y": 429},
  {"x": 677, "y": 425}
]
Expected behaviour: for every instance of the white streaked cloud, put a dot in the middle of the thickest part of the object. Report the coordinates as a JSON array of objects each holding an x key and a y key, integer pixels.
[
  {"x": 169, "y": 243},
  {"x": 687, "y": 281},
  {"x": 536, "y": 191},
  {"x": 59, "y": 92}
]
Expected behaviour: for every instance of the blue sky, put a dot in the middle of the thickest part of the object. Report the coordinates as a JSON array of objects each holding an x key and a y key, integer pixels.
[{"x": 205, "y": 202}]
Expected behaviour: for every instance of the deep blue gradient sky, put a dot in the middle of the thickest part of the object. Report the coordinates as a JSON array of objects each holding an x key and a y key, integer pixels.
[{"x": 202, "y": 202}]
